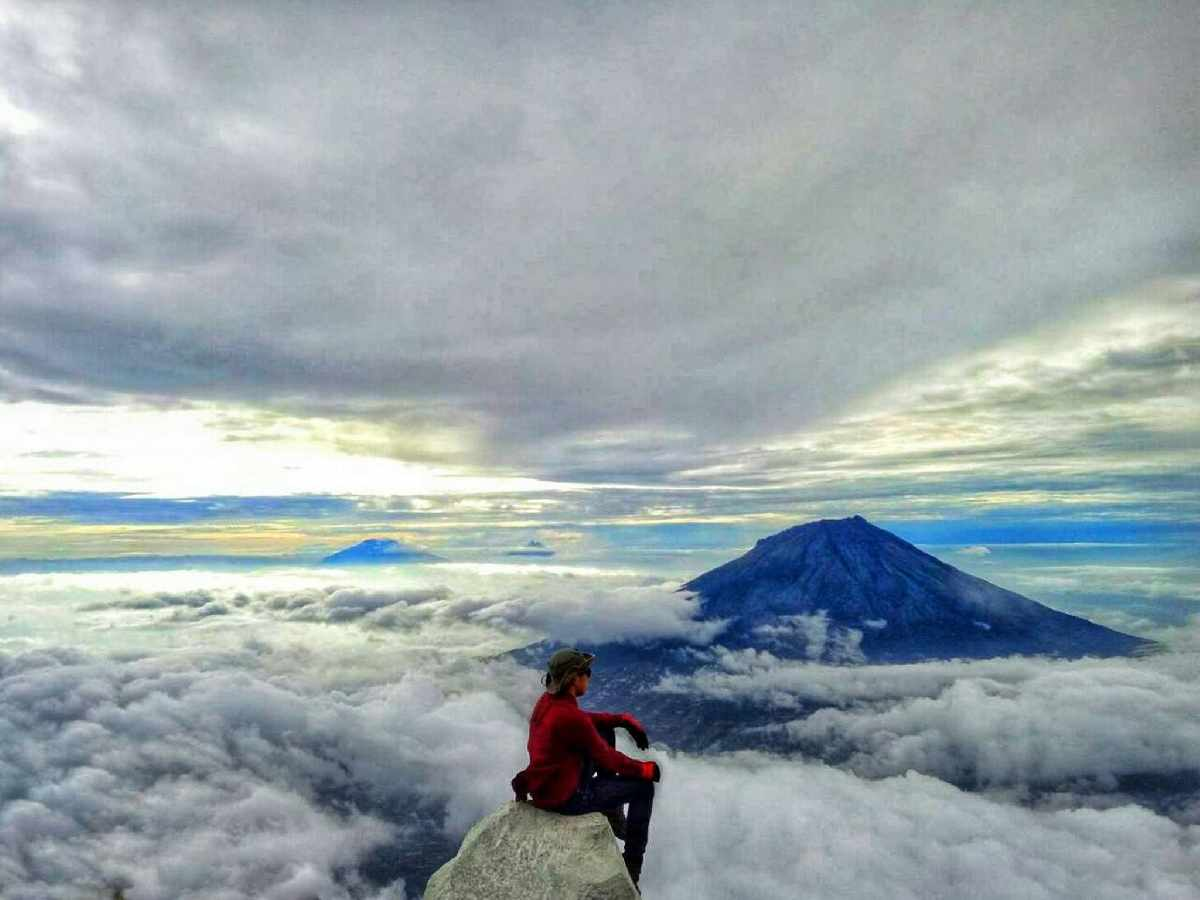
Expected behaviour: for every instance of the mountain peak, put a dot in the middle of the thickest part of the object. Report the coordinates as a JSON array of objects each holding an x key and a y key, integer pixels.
[
  {"x": 853, "y": 543},
  {"x": 851, "y": 525},
  {"x": 533, "y": 548}
]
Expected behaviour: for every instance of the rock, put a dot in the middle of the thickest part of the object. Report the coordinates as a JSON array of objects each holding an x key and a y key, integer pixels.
[{"x": 521, "y": 852}]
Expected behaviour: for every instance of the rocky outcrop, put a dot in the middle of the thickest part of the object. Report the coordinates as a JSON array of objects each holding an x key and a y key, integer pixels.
[{"x": 521, "y": 852}]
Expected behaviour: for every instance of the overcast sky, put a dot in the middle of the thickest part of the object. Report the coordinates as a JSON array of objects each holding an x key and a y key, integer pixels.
[{"x": 538, "y": 264}]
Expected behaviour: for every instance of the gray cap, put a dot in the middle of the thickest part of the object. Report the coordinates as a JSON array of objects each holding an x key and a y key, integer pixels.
[{"x": 564, "y": 665}]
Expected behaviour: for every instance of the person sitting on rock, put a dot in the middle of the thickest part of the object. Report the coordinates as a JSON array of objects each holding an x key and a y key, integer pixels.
[{"x": 574, "y": 766}]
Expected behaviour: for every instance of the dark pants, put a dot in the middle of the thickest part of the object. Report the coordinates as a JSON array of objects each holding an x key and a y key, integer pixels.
[{"x": 601, "y": 791}]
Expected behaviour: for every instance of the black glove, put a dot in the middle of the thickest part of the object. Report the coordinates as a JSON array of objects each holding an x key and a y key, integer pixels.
[{"x": 636, "y": 731}]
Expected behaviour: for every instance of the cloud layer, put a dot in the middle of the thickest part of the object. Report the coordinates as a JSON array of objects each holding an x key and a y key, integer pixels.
[
  {"x": 1018, "y": 723},
  {"x": 562, "y": 609},
  {"x": 777, "y": 827},
  {"x": 144, "y": 773},
  {"x": 179, "y": 781},
  {"x": 289, "y": 725}
]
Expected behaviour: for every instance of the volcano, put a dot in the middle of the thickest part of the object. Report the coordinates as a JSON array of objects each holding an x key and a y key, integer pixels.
[
  {"x": 846, "y": 590},
  {"x": 376, "y": 552}
]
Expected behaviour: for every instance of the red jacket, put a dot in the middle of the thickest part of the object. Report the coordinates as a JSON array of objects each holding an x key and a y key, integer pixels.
[{"x": 561, "y": 735}]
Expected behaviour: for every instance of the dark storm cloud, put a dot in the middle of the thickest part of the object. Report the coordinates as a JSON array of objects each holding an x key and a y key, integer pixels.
[{"x": 562, "y": 220}]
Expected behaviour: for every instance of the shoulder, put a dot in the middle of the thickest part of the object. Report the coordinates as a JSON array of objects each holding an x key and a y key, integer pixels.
[{"x": 564, "y": 709}]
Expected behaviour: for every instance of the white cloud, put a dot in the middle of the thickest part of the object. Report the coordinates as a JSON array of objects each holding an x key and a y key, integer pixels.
[
  {"x": 473, "y": 610},
  {"x": 318, "y": 741},
  {"x": 576, "y": 613},
  {"x": 832, "y": 644},
  {"x": 1095, "y": 724},
  {"x": 204, "y": 779},
  {"x": 528, "y": 605},
  {"x": 208, "y": 775},
  {"x": 1142, "y": 581},
  {"x": 994, "y": 723},
  {"x": 746, "y": 825},
  {"x": 758, "y": 676},
  {"x": 978, "y": 550}
]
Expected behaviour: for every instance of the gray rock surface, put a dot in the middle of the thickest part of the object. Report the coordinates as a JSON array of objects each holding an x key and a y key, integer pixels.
[{"x": 521, "y": 852}]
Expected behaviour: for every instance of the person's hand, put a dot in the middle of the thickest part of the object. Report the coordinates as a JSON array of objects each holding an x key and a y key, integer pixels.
[
  {"x": 636, "y": 731},
  {"x": 651, "y": 771}
]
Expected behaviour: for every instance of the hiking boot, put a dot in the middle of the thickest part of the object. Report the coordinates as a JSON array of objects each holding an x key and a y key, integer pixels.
[{"x": 616, "y": 818}]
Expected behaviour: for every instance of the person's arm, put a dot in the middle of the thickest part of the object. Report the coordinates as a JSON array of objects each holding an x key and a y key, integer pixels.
[
  {"x": 621, "y": 720},
  {"x": 603, "y": 719},
  {"x": 582, "y": 733}
]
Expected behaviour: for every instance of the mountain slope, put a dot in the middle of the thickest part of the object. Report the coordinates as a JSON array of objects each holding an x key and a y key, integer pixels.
[{"x": 906, "y": 604}]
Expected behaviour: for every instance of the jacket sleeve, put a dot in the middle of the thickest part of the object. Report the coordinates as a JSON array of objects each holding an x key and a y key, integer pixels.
[
  {"x": 606, "y": 720},
  {"x": 584, "y": 736}
]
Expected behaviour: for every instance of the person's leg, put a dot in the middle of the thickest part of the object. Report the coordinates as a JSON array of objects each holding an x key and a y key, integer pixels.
[
  {"x": 616, "y": 815},
  {"x": 617, "y": 822},
  {"x": 603, "y": 793},
  {"x": 640, "y": 796}
]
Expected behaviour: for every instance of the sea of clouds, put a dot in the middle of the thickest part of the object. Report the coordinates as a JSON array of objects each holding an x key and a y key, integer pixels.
[
  {"x": 290, "y": 735},
  {"x": 1047, "y": 732}
]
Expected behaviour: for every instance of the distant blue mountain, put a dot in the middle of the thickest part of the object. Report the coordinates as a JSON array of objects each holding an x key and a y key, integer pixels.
[
  {"x": 378, "y": 551},
  {"x": 533, "y": 548}
]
